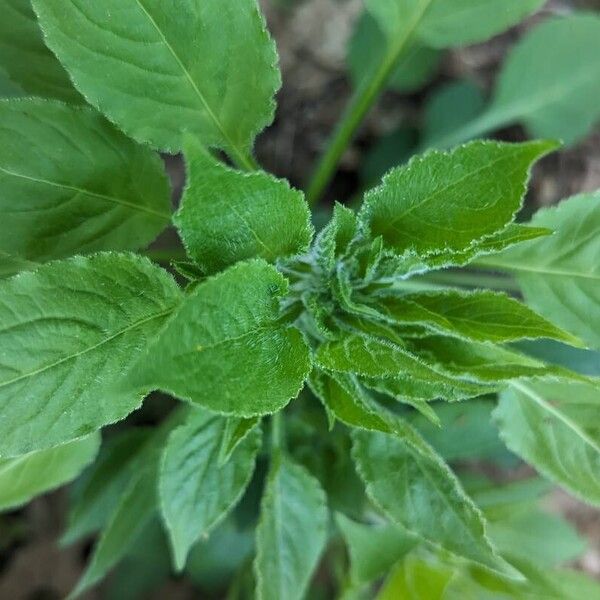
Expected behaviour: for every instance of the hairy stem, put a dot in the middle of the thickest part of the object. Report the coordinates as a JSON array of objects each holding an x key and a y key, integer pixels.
[{"x": 362, "y": 100}]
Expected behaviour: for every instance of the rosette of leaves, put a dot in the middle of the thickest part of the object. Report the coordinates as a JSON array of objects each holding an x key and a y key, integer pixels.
[{"x": 262, "y": 312}]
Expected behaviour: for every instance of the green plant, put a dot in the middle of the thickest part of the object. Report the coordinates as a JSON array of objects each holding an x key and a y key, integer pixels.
[{"x": 371, "y": 326}]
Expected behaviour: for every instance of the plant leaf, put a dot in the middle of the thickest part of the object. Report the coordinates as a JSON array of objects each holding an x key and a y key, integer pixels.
[
  {"x": 69, "y": 332},
  {"x": 136, "y": 507},
  {"x": 196, "y": 491},
  {"x": 291, "y": 533},
  {"x": 479, "y": 362},
  {"x": 211, "y": 69},
  {"x": 479, "y": 316},
  {"x": 417, "y": 490},
  {"x": 442, "y": 202},
  {"x": 236, "y": 431},
  {"x": 442, "y": 24},
  {"x": 544, "y": 84},
  {"x": 373, "y": 549},
  {"x": 450, "y": 107},
  {"x": 24, "y": 477},
  {"x": 24, "y": 56},
  {"x": 71, "y": 183},
  {"x": 104, "y": 483},
  {"x": 225, "y": 348},
  {"x": 227, "y": 216},
  {"x": 560, "y": 274},
  {"x": 550, "y": 79},
  {"x": 555, "y": 427}
]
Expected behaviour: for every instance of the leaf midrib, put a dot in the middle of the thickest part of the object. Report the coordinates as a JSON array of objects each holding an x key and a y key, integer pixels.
[
  {"x": 558, "y": 414},
  {"x": 91, "y": 348},
  {"x": 72, "y": 188},
  {"x": 233, "y": 147}
]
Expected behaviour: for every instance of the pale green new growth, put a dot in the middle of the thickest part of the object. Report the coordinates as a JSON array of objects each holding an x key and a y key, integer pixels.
[
  {"x": 403, "y": 369},
  {"x": 56, "y": 198}
]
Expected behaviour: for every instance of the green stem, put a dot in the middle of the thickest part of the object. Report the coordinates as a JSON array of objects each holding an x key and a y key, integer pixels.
[
  {"x": 243, "y": 161},
  {"x": 277, "y": 433},
  {"x": 364, "y": 97}
]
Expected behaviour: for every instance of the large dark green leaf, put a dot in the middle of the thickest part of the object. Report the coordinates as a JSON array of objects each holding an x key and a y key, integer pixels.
[
  {"x": 204, "y": 66},
  {"x": 69, "y": 332},
  {"x": 71, "y": 183}
]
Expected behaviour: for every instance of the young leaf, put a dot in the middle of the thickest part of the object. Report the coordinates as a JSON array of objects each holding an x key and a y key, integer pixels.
[
  {"x": 344, "y": 400},
  {"x": 71, "y": 183},
  {"x": 415, "y": 489},
  {"x": 560, "y": 274},
  {"x": 335, "y": 238},
  {"x": 441, "y": 24},
  {"x": 225, "y": 348},
  {"x": 479, "y": 316},
  {"x": 24, "y": 477},
  {"x": 196, "y": 491},
  {"x": 25, "y": 57},
  {"x": 104, "y": 484},
  {"x": 211, "y": 69},
  {"x": 373, "y": 549},
  {"x": 367, "y": 50},
  {"x": 479, "y": 362},
  {"x": 443, "y": 202},
  {"x": 227, "y": 216},
  {"x": 69, "y": 332},
  {"x": 548, "y": 82},
  {"x": 291, "y": 533},
  {"x": 554, "y": 426},
  {"x": 466, "y": 432}
]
